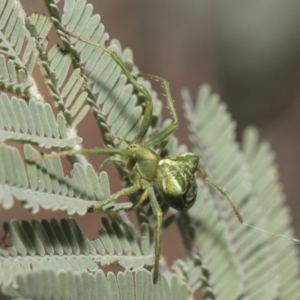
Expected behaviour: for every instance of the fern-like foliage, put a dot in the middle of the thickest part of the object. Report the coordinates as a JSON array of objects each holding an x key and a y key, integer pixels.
[
  {"x": 63, "y": 246},
  {"x": 56, "y": 260},
  {"x": 53, "y": 259},
  {"x": 83, "y": 285},
  {"x": 253, "y": 262},
  {"x": 33, "y": 122},
  {"x": 44, "y": 184}
]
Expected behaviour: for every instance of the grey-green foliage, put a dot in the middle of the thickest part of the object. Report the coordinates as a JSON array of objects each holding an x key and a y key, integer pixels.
[
  {"x": 52, "y": 259},
  {"x": 63, "y": 246},
  {"x": 56, "y": 260},
  {"x": 33, "y": 122},
  {"x": 255, "y": 264},
  {"x": 48, "y": 284}
]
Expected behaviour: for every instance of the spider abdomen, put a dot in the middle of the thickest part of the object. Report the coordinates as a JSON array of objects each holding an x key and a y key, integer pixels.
[{"x": 176, "y": 180}]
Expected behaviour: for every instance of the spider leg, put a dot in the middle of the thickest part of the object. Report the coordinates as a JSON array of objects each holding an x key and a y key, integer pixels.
[
  {"x": 162, "y": 135},
  {"x": 144, "y": 196},
  {"x": 124, "y": 192},
  {"x": 159, "y": 146},
  {"x": 111, "y": 136},
  {"x": 165, "y": 133},
  {"x": 123, "y": 152},
  {"x": 140, "y": 88},
  {"x": 109, "y": 160},
  {"x": 159, "y": 217},
  {"x": 137, "y": 86},
  {"x": 149, "y": 192},
  {"x": 221, "y": 191}
]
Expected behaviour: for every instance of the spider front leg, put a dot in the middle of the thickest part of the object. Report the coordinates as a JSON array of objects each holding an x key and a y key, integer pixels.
[
  {"x": 137, "y": 86},
  {"x": 163, "y": 135},
  {"x": 111, "y": 159},
  {"x": 111, "y": 151},
  {"x": 136, "y": 185}
]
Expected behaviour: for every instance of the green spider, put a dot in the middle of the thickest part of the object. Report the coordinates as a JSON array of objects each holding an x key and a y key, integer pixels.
[{"x": 173, "y": 175}]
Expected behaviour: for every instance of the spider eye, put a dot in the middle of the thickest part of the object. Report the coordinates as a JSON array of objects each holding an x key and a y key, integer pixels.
[{"x": 133, "y": 146}]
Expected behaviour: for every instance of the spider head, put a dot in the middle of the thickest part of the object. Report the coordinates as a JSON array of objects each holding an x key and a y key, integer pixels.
[{"x": 176, "y": 180}]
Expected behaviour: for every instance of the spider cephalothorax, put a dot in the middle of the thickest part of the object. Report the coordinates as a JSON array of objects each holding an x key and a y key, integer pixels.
[{"x": 144, "y": 161}]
